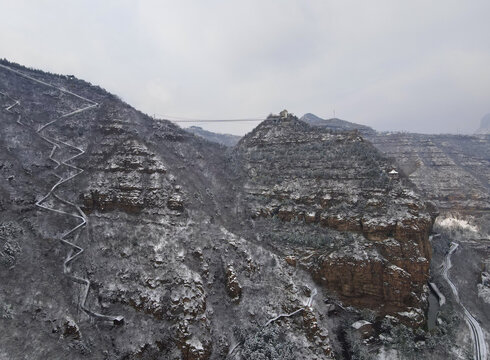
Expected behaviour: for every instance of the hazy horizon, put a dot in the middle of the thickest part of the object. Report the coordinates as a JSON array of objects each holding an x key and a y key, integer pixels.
[{"x": 413, "y": 66}]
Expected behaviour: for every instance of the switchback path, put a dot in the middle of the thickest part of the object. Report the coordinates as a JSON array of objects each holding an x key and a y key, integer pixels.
[
  {"x": 233, "y": 351},
  {"x": 308, "y": 304},
  {"x": 480, "y": 349},
  {"x": 71, "y": 236}
]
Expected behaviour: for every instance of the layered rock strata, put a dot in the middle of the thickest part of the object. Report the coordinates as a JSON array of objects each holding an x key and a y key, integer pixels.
[{"x": 369, "y": 228}]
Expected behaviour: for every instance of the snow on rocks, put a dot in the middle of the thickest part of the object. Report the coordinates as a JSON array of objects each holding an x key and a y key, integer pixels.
[{"x": 364, "y": 328}]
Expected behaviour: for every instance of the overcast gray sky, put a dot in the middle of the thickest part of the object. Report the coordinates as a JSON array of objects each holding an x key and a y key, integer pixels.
[{"x": 420, "y": 66}]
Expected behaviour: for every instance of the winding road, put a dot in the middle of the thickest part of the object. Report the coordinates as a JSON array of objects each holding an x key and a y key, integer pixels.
[
  {"x": 480, "y": 347},
  {"x": 71, "y": 236}
]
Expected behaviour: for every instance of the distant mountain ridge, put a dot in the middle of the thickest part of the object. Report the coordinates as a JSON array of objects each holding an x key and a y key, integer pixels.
[
  {"x": 484, "y": 125},
  {"x": 223, "y": 139},
  {"x": 311, "y": 119},
  {"x": 337, "y": 124},
  {"x": 451, "y": 170}
]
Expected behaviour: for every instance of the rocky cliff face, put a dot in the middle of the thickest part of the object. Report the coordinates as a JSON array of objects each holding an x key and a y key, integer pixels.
[
  {"x": 333, "y": 202},
  {"x": 451, "y": 170}
]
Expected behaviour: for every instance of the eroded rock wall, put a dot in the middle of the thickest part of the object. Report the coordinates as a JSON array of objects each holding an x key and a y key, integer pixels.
[{"x": 374, "y": 251}]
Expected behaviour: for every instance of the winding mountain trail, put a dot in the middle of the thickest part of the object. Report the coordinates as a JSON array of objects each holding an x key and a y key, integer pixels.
[
  {"x": 480, "y": 348},
  {"x": 308, "y": 304},
  {"x": 70, "y": 237},
  {"x": 234, "y": 350}
]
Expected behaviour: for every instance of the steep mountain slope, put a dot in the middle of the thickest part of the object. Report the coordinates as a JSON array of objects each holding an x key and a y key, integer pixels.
[
  {"x": 333, "y": 202},
  {"x": 337, "y": 124},
  {"x": 451, "y": 170}
]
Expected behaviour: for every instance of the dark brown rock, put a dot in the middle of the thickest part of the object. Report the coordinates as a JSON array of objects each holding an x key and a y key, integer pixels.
[{"x": 232, "y": 285}]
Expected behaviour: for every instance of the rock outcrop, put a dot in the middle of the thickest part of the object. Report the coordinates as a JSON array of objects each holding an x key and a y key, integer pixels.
[{"x": 232, "y": 285}]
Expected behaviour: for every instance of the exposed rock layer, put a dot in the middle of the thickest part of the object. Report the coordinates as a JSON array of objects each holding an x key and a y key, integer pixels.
[
  {"x": 337, "y": 181},
  {"x": 450, "y": 170}
]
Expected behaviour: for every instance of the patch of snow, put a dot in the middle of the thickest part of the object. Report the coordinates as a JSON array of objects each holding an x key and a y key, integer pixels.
[
  {"x": 454, "y": 223},
  {"x": 414, "y": 313},
  {"x": 399, "y": 270},
  {"x": 359, "y": 324},
  {"x": 442, "y": 298},
  {"x": 387, "y": 354},
  {"x": 195, "y": 343}
]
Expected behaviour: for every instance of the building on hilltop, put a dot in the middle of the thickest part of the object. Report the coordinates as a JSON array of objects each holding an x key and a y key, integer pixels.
[{"x": 394, "y": 174}]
